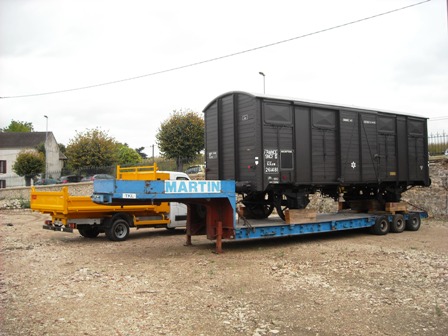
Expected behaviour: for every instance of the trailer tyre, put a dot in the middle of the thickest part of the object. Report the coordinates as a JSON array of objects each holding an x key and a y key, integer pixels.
[
  {"x": 89, "y": 232},
  {"x": 398, "y": 224},
  {"x": 381, "y": 226},
  {"x": 118, "y": 230},
  {"x": 413, "y": 222}
]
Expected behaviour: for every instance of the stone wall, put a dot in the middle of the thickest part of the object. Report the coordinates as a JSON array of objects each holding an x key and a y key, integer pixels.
[
  {"x": 23, "y": 193},
  {"x": 433, "y": 199}
]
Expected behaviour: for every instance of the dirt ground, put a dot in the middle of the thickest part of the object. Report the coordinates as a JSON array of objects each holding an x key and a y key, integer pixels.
[{"x": 344, "y": 283}]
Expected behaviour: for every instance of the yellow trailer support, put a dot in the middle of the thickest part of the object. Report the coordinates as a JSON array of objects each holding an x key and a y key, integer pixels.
[{"x": 141, "y": 173}]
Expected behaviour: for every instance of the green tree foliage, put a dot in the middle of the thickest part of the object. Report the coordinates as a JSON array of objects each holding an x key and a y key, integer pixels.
[
  {"x": 19, "y": 126},
  {"x": 41, "y": 148},
  {"x": 140, "y": 152},
  {"x": 128, "y": 156},
  {"x": 62, "y": 148},
  {"x": 181, "y": 137},
  {"x": 29, "y": 163},
  {"x": 92, "y": 148}
]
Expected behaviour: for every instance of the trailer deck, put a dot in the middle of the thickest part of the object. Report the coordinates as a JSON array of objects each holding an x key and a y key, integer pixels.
[{"x": 212, "y": 210}]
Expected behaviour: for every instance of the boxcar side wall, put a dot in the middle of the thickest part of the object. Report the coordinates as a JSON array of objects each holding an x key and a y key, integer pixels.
[{"x": 265, "y": 142}]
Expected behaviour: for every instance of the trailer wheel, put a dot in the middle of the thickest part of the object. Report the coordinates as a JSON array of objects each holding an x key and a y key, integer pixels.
[
  {"x": 413, "y": 222},
  {"x": 118, "y": 230},
  {"x": 398, "y": 224},
  {"x": 89, "y": 232},
  {"x": 381, "y": 226}
]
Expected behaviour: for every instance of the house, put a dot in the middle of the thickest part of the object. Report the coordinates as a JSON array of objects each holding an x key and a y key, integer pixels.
[{"x": 11, "y": 143}]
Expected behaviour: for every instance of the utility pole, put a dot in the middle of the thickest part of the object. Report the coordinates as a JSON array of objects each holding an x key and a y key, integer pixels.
[
  {"x": 46, "y": 148},
  {"x": 153, "y": 159}
]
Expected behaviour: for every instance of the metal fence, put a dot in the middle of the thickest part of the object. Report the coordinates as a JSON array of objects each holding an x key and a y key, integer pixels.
[{"x": 438, "y": 144}]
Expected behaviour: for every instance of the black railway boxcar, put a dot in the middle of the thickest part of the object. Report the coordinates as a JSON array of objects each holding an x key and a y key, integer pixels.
[{"x": 280, "y": 150}]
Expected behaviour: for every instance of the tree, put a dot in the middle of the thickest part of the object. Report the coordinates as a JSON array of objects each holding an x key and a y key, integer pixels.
[
  {"x": 18, "y": 126},
  {"x": 140, "y": 152},
  {"x": 128, "y": 156},
  {"x": 181, "y": 137},
  {"x": 41, "y": 148},
  {"x": 29, "y": 163},
  {"x": 92, "y": 148},
  {"x": 62, "y": 148}
]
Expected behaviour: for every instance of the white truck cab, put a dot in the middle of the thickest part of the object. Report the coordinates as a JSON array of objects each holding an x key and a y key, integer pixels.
[{"x": 178, "y": 211}]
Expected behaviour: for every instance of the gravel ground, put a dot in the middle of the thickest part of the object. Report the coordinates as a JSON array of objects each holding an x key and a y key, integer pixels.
[{"x": 344, "y": 283}]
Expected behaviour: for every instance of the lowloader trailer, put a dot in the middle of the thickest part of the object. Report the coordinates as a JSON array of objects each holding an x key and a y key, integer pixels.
[{"x": 213, "y": 211}]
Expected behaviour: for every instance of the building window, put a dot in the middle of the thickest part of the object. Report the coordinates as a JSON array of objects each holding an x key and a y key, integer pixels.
[
  {"x": 2, "y": 184},
  {"x": 2, "y": 166}
]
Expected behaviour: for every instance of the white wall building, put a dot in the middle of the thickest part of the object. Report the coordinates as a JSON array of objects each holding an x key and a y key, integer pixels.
[{"x": 12, "y": 143}]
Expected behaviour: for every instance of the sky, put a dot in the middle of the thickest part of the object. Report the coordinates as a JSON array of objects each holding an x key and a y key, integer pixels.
[{"x": 396, "y": 62}]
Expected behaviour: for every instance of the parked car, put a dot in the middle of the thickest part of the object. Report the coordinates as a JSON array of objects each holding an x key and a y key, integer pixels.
[
  {"x": 196, "y": 172},
  {"x": 70, "y": 179},
  {"x": 97, "y": 177},
  {"x": 446, "y": 152},
  {"x": 44, "y": 181}
]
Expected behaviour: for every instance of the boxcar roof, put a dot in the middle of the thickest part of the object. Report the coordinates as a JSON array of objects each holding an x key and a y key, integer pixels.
[{"x": 307, "y": 102}]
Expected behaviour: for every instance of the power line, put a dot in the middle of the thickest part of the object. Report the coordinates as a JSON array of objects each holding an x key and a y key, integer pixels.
[{"x": 219, "y": 57}]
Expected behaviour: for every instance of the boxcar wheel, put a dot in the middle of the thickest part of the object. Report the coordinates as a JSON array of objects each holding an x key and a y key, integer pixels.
[
  {"x": 381, "y": 226},
  {"x": 413, "y": 222},
  {"x": 118, "y": 230},
  {"x": 89, "y": 232},
  {"x": 259, "y": 205},
  {"x": 398, "y": 224}
]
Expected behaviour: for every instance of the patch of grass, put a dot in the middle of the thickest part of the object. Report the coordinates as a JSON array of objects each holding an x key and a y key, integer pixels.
[{"x": 24, "y": 203}]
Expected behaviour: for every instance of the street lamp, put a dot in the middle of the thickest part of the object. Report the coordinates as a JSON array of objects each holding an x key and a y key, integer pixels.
[
  {"x": 264, "y": 81},
  {"x": 46, "y": 145}
]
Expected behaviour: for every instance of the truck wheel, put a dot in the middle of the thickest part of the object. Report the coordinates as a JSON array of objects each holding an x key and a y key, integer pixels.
[
  {"x": 89, "y": 232},
  {"x": 413, "y": 222},
  {"x": 118, "y": 231},
  {"x": 381, "y": 226},
  {"x": 398, "y": 224}
]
